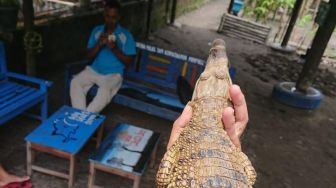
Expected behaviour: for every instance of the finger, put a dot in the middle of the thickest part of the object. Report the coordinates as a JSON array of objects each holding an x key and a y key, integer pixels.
[
  {"x": 239, "y": 104},
  {"x": 184, "y": 117},
  {"x": 230, "y": 126},
  {"x": 236, "y": 142},
  {"x": 240, "y": 127},
  {"x": 179, "y": 125},
  {"x": 228, "y": 118}
]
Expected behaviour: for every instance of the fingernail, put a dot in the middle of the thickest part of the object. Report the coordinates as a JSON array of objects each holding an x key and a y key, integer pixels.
[
  {"x": 228, "y": 110},
  {"x": 236, "y": 86}
]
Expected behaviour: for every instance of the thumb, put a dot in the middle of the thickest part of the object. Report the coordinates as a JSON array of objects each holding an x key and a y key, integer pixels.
[{"x": 179, "y": 125}]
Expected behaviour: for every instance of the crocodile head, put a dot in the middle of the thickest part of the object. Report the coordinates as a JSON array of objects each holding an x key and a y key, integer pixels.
[{"x": 215, "y": 80}]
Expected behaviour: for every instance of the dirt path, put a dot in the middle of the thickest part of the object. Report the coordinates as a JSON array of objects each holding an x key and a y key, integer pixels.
[{"x": 206, "y": 17}]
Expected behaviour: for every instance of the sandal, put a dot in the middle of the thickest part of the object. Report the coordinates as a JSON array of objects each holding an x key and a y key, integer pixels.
[{"x": 24, "y": 184}]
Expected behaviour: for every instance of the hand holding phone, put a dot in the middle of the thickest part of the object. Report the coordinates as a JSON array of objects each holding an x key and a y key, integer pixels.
[
  {"x": 103, "y": 39},
  {"x": 111, "y": 38}
]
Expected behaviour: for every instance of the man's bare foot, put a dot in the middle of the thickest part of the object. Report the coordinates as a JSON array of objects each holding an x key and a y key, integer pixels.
[{"x": 6, "y": 178}]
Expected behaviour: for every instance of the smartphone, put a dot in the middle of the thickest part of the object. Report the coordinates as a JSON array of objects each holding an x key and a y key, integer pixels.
[{"x": 111, "y": 38}]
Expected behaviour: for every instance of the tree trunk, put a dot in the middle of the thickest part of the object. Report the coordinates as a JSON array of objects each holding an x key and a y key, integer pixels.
[
  {"x": 315, "y": 7},
  {"x": 292, "y": 21},
  {"x": 149, "y": 16},
  {"x": 315, "y": 54},
  {"x": 304, "y": 9},
  {"x": 281, "y": 25},
  {"x": 275, "y": 13},
  {"x": 28, "y": 12},
  {"x": 315, "y": 4}
]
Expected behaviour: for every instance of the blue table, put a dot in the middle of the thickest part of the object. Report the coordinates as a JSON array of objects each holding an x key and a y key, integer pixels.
[
  {"x": 63, "y": 134},
  {"x": 126, "y": 151}
]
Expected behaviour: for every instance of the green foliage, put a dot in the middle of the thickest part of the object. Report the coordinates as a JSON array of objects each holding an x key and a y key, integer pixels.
[
  {"x": 264, "y": 7},
  {"x": 248, "y": 11},
  {"x": 9, "y": 3},
  {"x": 305, "y": 20},
  {"x": 285, "y": 4}
]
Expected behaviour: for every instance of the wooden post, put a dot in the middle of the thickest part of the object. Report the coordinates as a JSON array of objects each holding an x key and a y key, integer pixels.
[
  {"x": 167, "y": 13},
  {"x": 296, "y": 11},
  {"x": 28, "y": 13},
  {"x": 173, "y": 12},
  {"x": 318, "y": 47},
  {"x": 149, "y": 16}
]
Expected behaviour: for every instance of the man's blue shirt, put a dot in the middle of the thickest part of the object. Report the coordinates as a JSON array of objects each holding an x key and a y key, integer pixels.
[{"x": 106, "y": 62}]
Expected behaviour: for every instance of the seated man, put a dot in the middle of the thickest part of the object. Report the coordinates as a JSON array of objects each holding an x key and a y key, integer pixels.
[{"x": 112, "y": 47}]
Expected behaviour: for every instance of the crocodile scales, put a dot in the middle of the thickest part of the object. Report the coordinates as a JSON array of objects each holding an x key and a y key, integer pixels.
[{"x": 203, "y": 156}]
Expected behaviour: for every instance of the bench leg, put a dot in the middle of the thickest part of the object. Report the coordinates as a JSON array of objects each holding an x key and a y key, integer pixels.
[
  {"x": 92, "y": 175},
  {"x": 29, "y": 159},
  {"x": 44, "y": 109},
  {"x": 72, "y": 170},
  {"x": 136, "y": 183},
  {"x": 100, "y": 134}
]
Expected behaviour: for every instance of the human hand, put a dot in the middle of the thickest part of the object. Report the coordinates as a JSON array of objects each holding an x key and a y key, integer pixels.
[
  {"x": 179, "y": 125},
  {"x": 103, "y": 39},
  {"x": 111, "y": 44},
  {"x": 234, "y": 119}
]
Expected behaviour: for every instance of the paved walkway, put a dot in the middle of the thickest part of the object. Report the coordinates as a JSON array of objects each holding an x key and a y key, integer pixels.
[{"x": 207, "y": 17}]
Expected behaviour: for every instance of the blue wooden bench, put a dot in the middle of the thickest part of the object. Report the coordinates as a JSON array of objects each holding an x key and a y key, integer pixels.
[
  {"x": 19, "y": 92},
  {"x": 151, "y": 81}
]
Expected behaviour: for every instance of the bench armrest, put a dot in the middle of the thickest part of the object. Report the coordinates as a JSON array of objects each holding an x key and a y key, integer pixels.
[
  {"x": 44, "y": 84},
  {"x": 76, "y": 67}
]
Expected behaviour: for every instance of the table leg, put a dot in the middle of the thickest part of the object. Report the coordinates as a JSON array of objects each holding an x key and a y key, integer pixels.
[
  {"x": 100, "y": 134},
  {"x": 72, "y": 170},
  {"x": 136, "y": 183},
  {"x": 92, "y": 175},
  {"x": 153, "y": 157},
  {"x": 29, "y": 159}
]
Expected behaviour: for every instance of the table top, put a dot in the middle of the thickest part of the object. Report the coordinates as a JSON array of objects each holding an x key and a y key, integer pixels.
[
  {"x": 127, "y": 148},
  {"x": 68, "y": 129}
]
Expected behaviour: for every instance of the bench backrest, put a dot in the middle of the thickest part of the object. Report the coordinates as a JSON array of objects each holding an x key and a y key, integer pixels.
[
  {"x": 161, "y": 68},
  {"x": 3, "y": 68}
]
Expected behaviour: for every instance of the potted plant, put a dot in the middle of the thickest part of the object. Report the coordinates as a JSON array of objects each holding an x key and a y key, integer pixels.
[{"x": 8, "y": 14}]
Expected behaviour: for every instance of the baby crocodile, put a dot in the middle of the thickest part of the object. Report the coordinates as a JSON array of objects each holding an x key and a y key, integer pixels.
[{"x": 203, "y": 155}]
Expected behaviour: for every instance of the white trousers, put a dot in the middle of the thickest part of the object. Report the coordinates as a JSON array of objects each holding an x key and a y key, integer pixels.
[{"x": 108, "y": 86}]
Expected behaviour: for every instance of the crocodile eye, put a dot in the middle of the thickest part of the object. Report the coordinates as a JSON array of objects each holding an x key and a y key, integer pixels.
[
  {"x": 220, "y": 74},
  {"x": 204, "y": 76}
]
